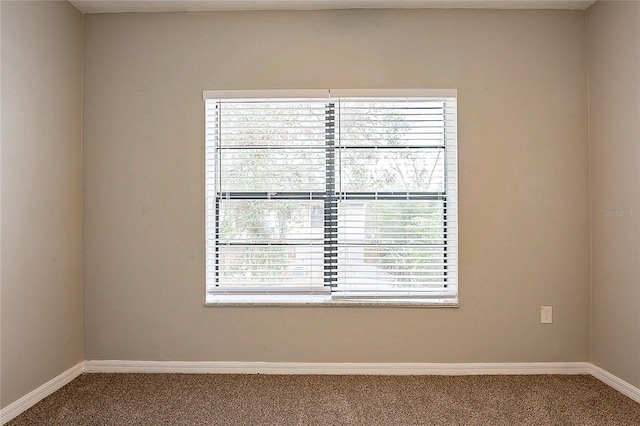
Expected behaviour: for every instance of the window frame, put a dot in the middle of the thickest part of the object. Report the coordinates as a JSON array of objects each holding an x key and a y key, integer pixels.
[{"x": 323, "y": 296}]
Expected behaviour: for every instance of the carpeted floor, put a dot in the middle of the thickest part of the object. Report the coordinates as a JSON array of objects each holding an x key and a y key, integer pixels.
[{"x": 199, "y": 399}]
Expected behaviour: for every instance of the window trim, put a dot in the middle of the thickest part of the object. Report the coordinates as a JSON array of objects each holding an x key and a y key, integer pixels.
[
  {"x": 303, "y": 296},
  {"x": 302, "y": 94}
]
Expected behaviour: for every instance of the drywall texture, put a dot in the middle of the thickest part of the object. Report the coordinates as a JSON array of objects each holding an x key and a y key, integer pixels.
[
  {"x": 524, "y": 229},
  {"x": 41, "y": 320},
  {"x": 614, "y": 111}
]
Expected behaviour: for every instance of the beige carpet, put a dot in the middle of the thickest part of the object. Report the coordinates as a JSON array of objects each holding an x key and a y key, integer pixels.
[{"x": 191, "y": 399}]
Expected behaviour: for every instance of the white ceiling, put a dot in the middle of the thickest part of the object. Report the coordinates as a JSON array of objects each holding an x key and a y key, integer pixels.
[{"x": 112, "y": 6}]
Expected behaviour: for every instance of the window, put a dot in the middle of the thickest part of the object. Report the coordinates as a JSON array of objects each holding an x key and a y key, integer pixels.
[{"x": 331, "y": 198}]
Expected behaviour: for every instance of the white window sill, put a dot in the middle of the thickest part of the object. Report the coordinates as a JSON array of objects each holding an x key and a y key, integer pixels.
[{"x": 321, "y": 301}]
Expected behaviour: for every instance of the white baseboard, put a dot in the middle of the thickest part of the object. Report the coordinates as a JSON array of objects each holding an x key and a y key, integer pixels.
[
  {"x": 29, "y": 400},
  {"x": 221, "y": 367},
  {"x": 232, "y": 367},
  {"x": 615, "y": 382},
  {"x": 454, "y": 369}
]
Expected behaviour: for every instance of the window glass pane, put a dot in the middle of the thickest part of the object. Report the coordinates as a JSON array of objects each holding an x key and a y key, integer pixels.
[
  {"x": 378, "y": 123},
  {"x": 390, "y": 268},
  {"x": 270, "y": 242},
  {"x": 272, "y": 170},
  {"x": 284, "y": 123},
  {"x": 264, "y": 265},
  {"x": 272, "y": 146},
  {"x": 269, "y": 221},
  {"x": 404, "y": 170},
  {"x": 391, "y": 242},
  {"x": 391, "y": 222}
]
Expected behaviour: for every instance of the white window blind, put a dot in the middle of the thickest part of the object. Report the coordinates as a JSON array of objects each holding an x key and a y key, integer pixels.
[{"x": 331, "y": 199}]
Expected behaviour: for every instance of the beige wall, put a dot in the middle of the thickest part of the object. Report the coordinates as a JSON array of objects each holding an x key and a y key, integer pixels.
[
  {"x": 614, "y": 111},
  {"x": 521, "y": 77},
  {"x": 41, "y": 319}
]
